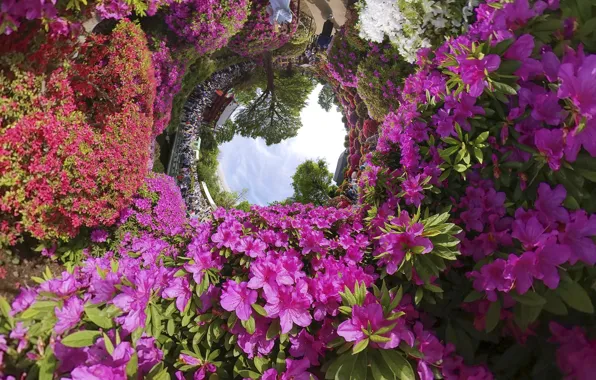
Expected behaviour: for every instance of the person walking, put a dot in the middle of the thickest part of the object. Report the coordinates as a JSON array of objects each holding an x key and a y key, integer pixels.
[{"x": 325, "y": 37}]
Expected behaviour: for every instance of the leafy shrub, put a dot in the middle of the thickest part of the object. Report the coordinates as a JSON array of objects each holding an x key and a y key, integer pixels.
[
  {"x": 258, "y": 35},
  {"x": 169, "y": 73},
  {"x": 72, "y": 141},
  {"x": 411, "y": 25},
  {"x": 343, "y": 60},
  {"x": 208, "y": 25},
  {"x": 380, "y": 77}
]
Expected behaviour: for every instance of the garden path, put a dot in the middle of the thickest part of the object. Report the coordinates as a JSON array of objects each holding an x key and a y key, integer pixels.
[{"x": 321, "y": 9}]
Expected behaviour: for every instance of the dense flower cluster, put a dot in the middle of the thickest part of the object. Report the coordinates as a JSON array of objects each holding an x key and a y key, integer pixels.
[
  {"x": 168, "y": 75},
  {"x": 71, "y": 144},
  {"x": 208, "y": 25},
  {"x": 411, "y": 25},
  {"x": 258, "y": 34},
  {"x": 379, "y": 80},
  {"x": 13, "y": 13},
  {"x": 343, "y": 60},
  {"x": 280, "y": 287}
]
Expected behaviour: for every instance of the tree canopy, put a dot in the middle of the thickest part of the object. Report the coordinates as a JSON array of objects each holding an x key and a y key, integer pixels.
[
  {"x": 272, "y": 102},
  {"x": 312, "y": 183},
  {"x": 326, "y": 97}
]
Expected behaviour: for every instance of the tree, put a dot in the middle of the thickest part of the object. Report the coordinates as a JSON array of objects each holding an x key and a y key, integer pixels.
[
  {"x": 326, "y": 97},
  {"x": 272, "y": 103},
  {"x": 226, "y": 132},
  {"x": 244, "y": 206},
  {"x": 312, "y": 183}
]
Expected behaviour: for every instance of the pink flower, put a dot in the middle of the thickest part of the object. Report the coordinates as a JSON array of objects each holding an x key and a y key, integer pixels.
[
  {"x": 239, "y": 298},
  {"x": 69, "y": 316},
  {"x": 291, "y": 304},
  {"x": 179, "y": 288}
]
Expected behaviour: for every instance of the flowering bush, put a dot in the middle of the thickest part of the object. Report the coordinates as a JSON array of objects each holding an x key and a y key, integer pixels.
[
  {"x": 168, "y": 75},
  {"x": 470, "y": 256},
  {"x": 380, "y": 77},
  {"x": 271, "y": 293},
  {"x": 258, "y": 35},
  {"x": 61, "y": 21},
  {"x": 343, "y": 60},
  {"x": 208, "y": 25},
  {"x": 411, "y": 25},
  {"x": 72, "y": 141}
]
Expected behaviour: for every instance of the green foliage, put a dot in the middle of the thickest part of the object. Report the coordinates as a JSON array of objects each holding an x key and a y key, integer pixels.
[
  {"x": 379, "y": 81},
  {"x": 196, "y": 73},
  {"x": 273, "y": 112},
  {"x": 244, "y": 206},
  {"x": 312, "y": 183},
  {"x": 326, "y": 97}
]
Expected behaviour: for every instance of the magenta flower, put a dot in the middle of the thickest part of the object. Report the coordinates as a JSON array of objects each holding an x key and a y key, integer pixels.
[
  {"x": 548, "y": 258},
  {"x": 97, "y": 372},
  {"x": 398, "y": 244},
  {"x": 99, "y": 236},
  {"x": 520, "y": 270},
  {"x": 578, "y": 82},
  {"x": 148, "y": 354},
  {"x": 22, "y": 302},
  {"x": 296, "y": 370},
  {"x": 291, "y": 304},
  {"x": 551, "y": 145},
  {"x": 546, "y": 108},
  {"x": 363, "y": 317},
  {"x": 69, "y": 316},
  {"x": 578, "y": 235},
  {"x": 180, "y": 289},
  {"x": 586, "y": 138},
  {"x": 19, "y": 332},
  {"x": 251, "y": 247},
  {"x": 473, "y": 72},
  {"x": 492, "y": 277},
  {"x": 239, "y": 298},
  {"x": 133, "y": 301},
  {"x": 531, "y": 233},
  {"x": 549, "y": 203},
  {"x": 306, "y": 345}
]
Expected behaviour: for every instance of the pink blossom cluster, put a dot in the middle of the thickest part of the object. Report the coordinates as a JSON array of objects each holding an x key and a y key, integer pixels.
[
  {"x": 258, "y": 34},
  {"x": 168, "y": 77},
  {"x": 207, "y": 24}
]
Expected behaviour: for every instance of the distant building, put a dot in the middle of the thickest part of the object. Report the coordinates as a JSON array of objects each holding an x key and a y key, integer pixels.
[{"x": 342, "y": 163}]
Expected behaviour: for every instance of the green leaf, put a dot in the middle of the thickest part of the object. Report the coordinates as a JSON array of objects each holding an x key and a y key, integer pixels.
[
  {"x": 460, "y": 168},
  {"x": 81, "y": 338},
  {"x": 261, "y": 363},
  {"x": 156, "y": 321},
  {"x": 433, "y": 288},
  {"x": 418, "y": 296},
  {"x": 401, "y": 368},
  {"x": 574, "y": 295},
  {"x": 171, "y": 327},
  {"x": 47, "y": 366},
  {"x": 493, "y": 316},
  {"x": 508, "y": 66},
  {"x": 554, "y": 304},
  {"x": 590, "y": 175},
  {"x": 478, "y": 154},
  {"x": 502, "y": 46},
  {"x": 108, "y": 343},
  {"x": 504, "y": 88},
  {"x": 132, "y": 367},
  {"x": 249, "y": 325},
  {"x": 360, "y": 346},
  {"x": 379, "y": 367},
  {"x": 529, "y": 298},
  {"x": 99, "y": 317},
  {"x": 273, "y": 329},
  {"x": 360, "y": 370},
  {"x": 336, "y": 365},
  {"x": 5, "y": 311},
  {"x": 397, "y": 298},
  {"x": 232, "y": 320},
  {"x": 259, "y": 309},
  {"x": 473, "y": 296},
  {"x": 447, "y": 152}
]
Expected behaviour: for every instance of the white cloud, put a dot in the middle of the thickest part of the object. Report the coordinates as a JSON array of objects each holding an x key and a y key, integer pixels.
[{"x": 267, "y": 170}]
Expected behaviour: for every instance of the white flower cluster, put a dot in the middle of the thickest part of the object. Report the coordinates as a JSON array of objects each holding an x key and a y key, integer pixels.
[{"x": 411, "y": 24}]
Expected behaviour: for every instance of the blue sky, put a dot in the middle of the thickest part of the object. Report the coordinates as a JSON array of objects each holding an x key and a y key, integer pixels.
[{"x": 266, "y": 171}]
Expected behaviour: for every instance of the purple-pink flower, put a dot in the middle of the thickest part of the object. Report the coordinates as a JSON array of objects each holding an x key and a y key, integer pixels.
[{"x": 239, "y": 298}]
